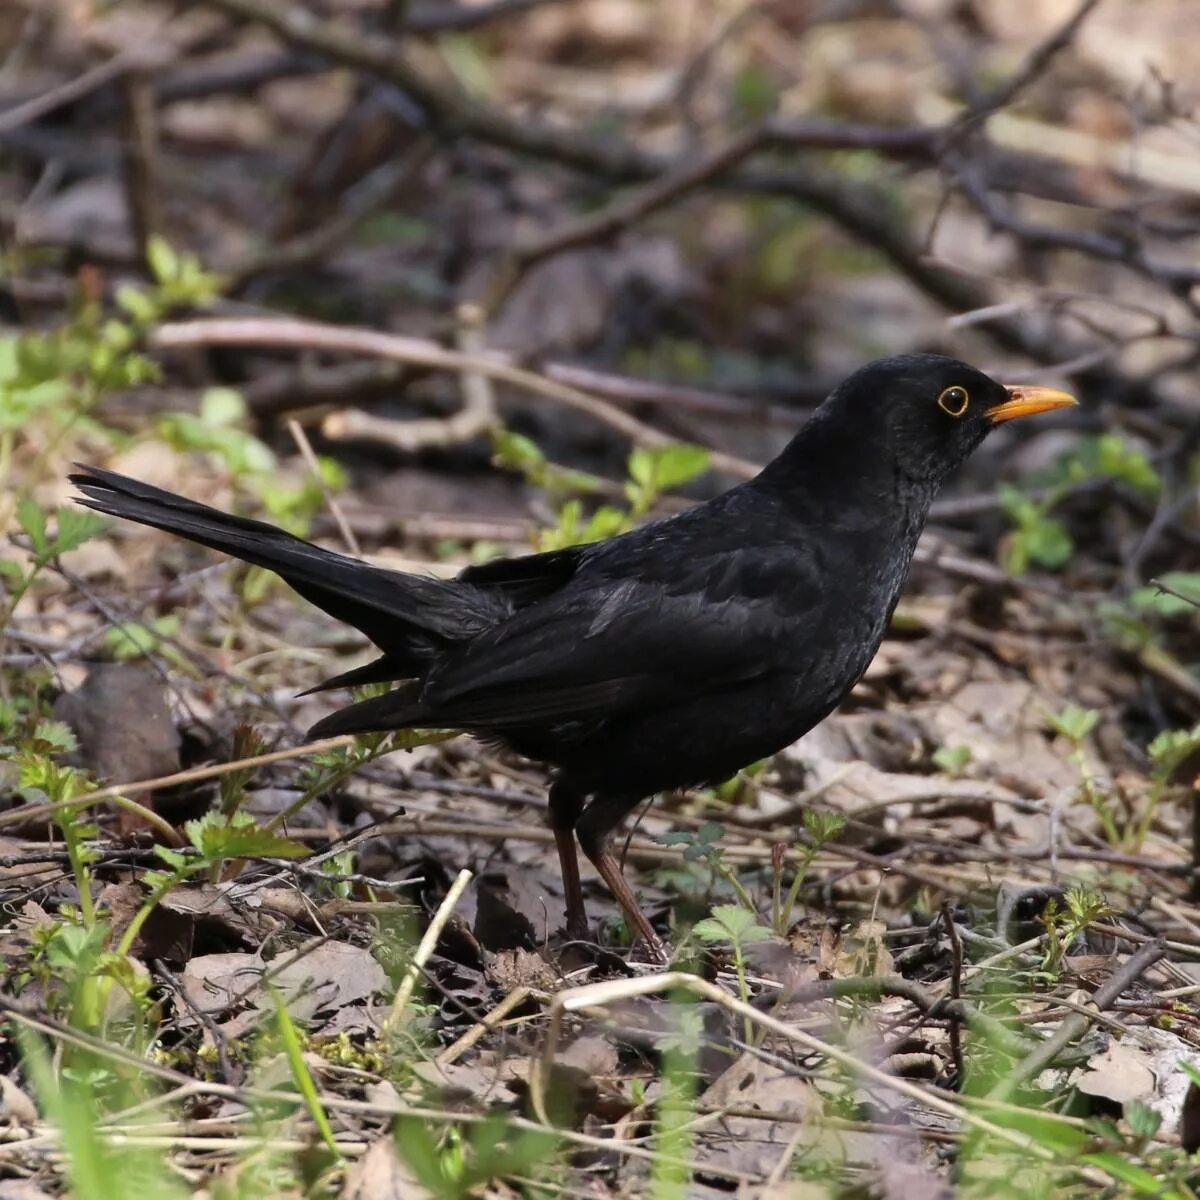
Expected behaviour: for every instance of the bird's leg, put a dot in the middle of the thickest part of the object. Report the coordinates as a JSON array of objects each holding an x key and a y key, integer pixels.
[
  {"x": 565, "y": 806},
  {"x": 599, "y": 819}
]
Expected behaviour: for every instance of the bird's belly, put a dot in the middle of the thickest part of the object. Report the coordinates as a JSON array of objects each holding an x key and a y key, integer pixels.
[{"x": 709, "y": 737}]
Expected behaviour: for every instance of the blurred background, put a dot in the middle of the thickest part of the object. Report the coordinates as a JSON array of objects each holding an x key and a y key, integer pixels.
[{"x": 703, "y": 213}]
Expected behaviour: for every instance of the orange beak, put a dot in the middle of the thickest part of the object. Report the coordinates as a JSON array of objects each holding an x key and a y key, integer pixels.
[{"x": 1028, "y": 401}]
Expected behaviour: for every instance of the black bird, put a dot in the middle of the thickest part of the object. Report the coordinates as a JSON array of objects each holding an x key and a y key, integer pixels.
[{"x": 672, "y": 655}]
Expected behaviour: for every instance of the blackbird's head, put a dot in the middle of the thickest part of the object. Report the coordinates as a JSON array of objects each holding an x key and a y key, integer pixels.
[{"x": 927, "y": 413}]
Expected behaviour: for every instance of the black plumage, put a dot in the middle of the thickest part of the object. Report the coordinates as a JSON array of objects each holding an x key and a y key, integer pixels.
[{"x": 666, "y": 657}]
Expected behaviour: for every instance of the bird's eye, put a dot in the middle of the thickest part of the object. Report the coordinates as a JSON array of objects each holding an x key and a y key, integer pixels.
[{"x": 954, "y": 400}]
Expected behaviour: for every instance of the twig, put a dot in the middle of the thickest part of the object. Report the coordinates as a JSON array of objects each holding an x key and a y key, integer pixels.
[
  {"x": 425, "y": 949},
  {"x": 445, "y": 18},
  {"x": 1170, "y": 591},
  {"x": 314, "y": 335},
  {"x": 1035, "y": 65},
  {"x": 600, "y": 995},
  {"x": 69, "y": 91},
  {"x": 30, "y": 812},
  {"x": 956, "y": 968},
  {"x": 923, "y": 999},
  {"x": 407, "y": 436},
  {"x": 307, "y": 386},
  {"x": 476, "y": 418},
  {"x": 1194, "y": 890},
  {"x": 306, "y": 452},
  {"x": 484, "y": 1025},
  {"x": 623, "y": 212},
  {"x": 1076, "y": 1025},
  {"x": 140, "y": 158}
]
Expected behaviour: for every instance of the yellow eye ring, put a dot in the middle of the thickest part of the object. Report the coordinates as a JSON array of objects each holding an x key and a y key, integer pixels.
[{"x": 954, "y": 401}]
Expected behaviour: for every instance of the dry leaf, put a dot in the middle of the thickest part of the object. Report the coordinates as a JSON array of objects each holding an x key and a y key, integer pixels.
[{"x": 381, "y": 1175}]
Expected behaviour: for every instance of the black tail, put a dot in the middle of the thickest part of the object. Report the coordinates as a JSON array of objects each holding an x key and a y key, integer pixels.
[
  {"x": 409, "y": 617},
  {"x": 398, "y": 709}
]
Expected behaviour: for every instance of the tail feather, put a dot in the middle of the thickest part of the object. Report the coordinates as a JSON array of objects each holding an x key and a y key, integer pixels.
[
  {"x": 405, "y": 615},
  {"x": 398, "y": 709},
  {"x": 382, "y": 670}
]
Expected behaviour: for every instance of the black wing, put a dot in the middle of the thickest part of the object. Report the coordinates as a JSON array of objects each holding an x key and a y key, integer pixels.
[{"x": 602, "y": 646}]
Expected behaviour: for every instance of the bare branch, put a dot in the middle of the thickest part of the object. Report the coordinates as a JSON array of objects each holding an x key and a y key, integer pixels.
[{"x": 313, "y": 335}]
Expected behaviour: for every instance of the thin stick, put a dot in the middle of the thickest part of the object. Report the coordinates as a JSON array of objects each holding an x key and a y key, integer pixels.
[
  {"x": 490, "y": 1020},
  {"x": 425, "y": 949},
  {"x": 122, "y": 790},
  {"x": 315, "y": 335},
  {"x": 599, "y": 995},
  {"x": 956, "y": 951},
  {"x": 306, "y": 452},
  {"x": 1076, "y": 1025}
]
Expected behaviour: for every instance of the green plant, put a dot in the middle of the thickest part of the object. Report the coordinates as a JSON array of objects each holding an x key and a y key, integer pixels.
[
  {"x": 1076, "y": 725},
  {"x": 97, "y": 1169},
  {"x": 217, "y": 429},
  {"x": 703, "y": 845},
  {"x": 132, "y": 639},
  {"x": 51, "y": 381},
  {"x": 1110, "y": 456},
  {"x": 739, "y": 927},
  {"x": 671, "y": 1175},
  {"x": 1168, "y": 752},
  {"x": 454, "y": 1165},
  {"x": 652, "y": 472},
  {"x": 1080, "y": 908},
  {"x": 821, "y": 828},
  {"x": 953, "y": 760},
  {"x": 1038, "y": 538},
  {"x": 73, "y": 527}
]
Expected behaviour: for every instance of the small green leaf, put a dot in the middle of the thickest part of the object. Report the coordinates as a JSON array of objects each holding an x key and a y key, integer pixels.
[
  {"x": 731, "y": 923},
  {"x": 641, "y": 466},
  {"x": 1047, "y": 1130},
  {"x": 680, "y": 464},
  {"x": 517, "y": 452},
  {"x": 33, "y": 521},
  {"x": 56, "y": 736},
  {"x": 238, "y": 836},
  {"x": 1171, "y": 749},
  {"x": 1073, "y": 723},
  {"x": 1049, "y": 544},
  {"x": 137, "y": 303},
  {"x": 1138, "y": 1178},
  {"x": 823, "y": 827},
  {"x": 1143, "y": 1120},
  {"x": 222, "y": 406},
  {"x": 164, "y": 262},
  {"x": 952, "y": 759},
  {"x": 76, "y": 526}
]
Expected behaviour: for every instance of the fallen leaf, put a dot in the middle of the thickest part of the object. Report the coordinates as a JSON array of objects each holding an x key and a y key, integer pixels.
[{"x": 381, "y": 1175}]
